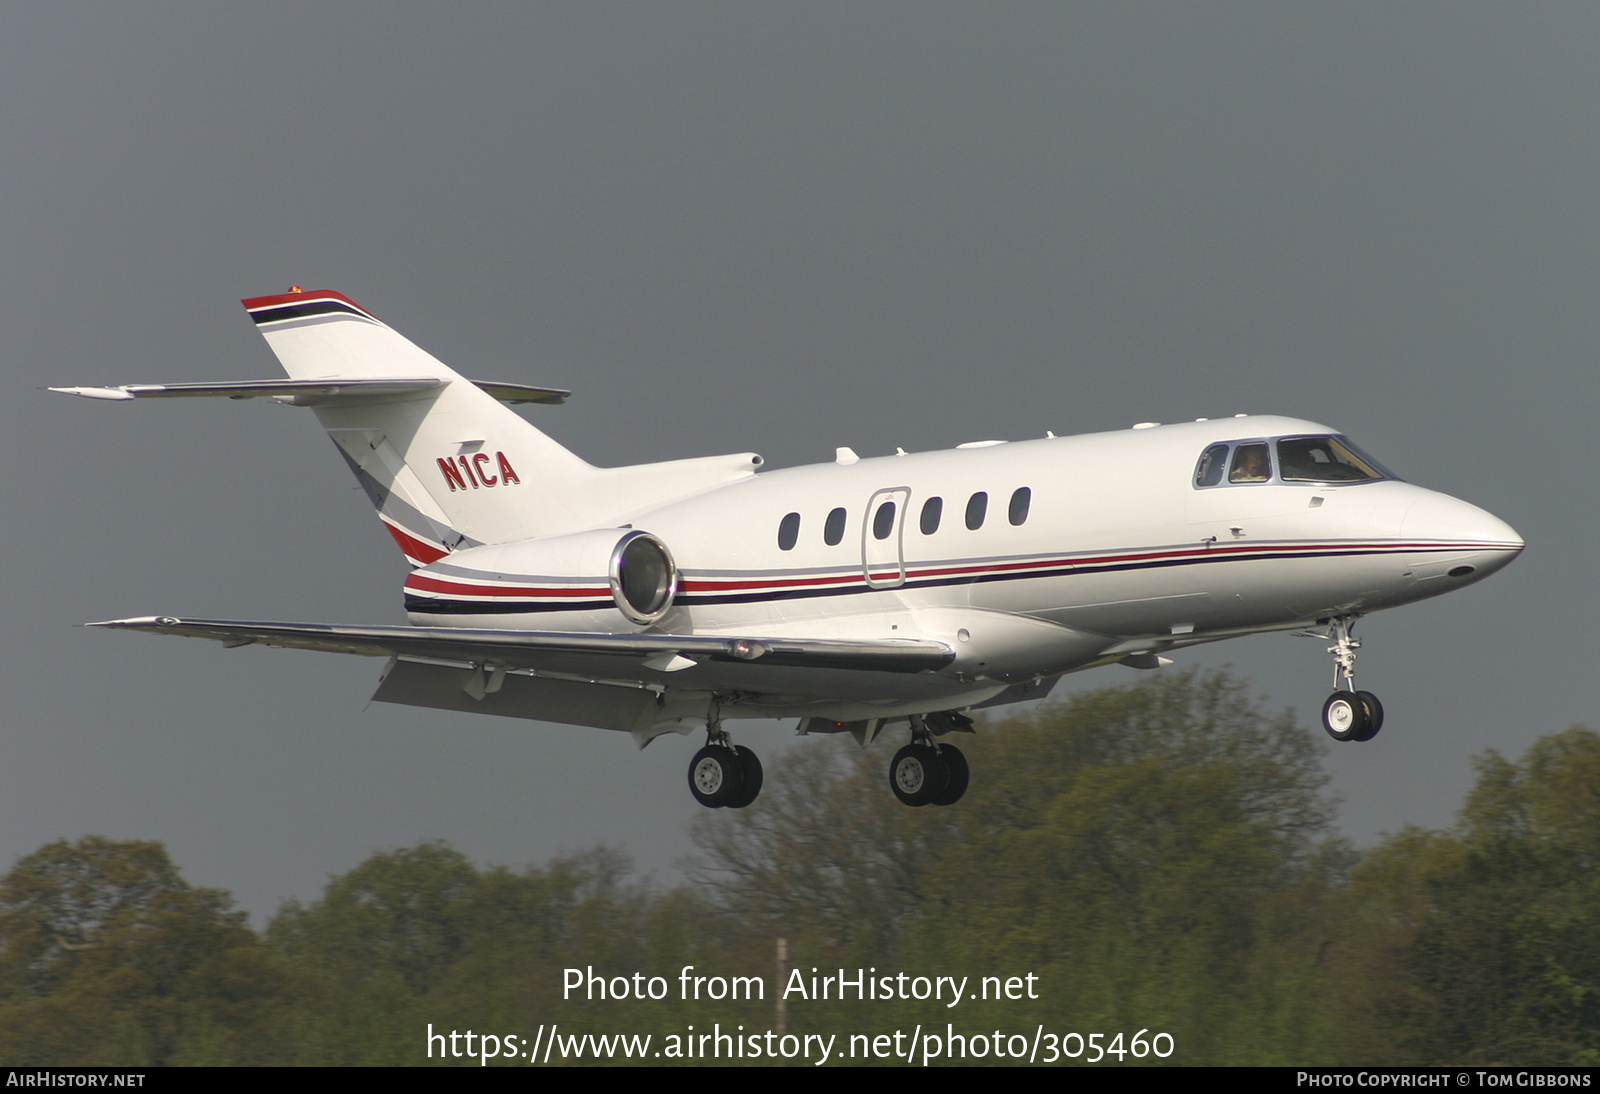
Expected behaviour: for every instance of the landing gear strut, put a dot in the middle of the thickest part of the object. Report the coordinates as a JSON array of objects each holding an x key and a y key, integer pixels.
[
  {"x": 1349, "y": 715},
  {"x": 721, "y": 774},
  {"x": 927, "y": 773}
]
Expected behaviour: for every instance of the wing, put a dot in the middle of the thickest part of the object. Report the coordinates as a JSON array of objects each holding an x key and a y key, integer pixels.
[
  {"x": 644, "y": 683},
  {"x": 576, "y": 652}
]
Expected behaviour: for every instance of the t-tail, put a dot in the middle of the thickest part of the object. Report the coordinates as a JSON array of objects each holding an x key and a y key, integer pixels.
[
  {"x": 446, "y": 465},
  {"x": 446, "y": 462}
]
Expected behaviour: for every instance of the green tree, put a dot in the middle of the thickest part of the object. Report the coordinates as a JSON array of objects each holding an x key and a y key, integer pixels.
[
  {"x": 1482, "y": 944},
  {"x": 826, "y": 854},
  {"x": 107, "y": 956},
  {"x": 421, "y": 937},
  {"x": 1160, "y": 853}
]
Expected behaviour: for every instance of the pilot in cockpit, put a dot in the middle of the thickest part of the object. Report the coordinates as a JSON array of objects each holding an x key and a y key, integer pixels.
[{"x": 1250, "y": 464}]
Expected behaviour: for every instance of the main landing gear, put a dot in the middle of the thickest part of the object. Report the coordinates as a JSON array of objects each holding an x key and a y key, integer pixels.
[
  {"x": 925, "y": 772},
  {"x": 1349, "y": 715},
  {"x": 723, "y": 775}
]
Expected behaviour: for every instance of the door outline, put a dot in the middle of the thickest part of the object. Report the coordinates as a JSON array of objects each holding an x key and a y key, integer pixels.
[{"x": 883, "y": 565}]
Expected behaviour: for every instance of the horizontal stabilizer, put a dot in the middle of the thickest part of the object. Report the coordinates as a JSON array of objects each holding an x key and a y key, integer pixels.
[
  {"x": 314, "y": 392},
  {"x": 643, "y": 657}
]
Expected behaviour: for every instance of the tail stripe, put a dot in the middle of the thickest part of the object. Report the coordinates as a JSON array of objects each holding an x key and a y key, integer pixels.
[
  {"x": 278, "y": 309},
  {"x": 417, "y": 551},
  {"x": 405, "y": 522}
]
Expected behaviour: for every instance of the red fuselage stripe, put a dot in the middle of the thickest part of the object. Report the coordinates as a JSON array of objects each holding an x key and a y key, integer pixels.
[
  {"x": 425, "y": 583},
  {"x": 450, "y": 586}
]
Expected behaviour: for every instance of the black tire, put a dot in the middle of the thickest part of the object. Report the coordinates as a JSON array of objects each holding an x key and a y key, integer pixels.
[
  {"x": 715, "y": 776},
  {"x": 1374, "y": 711},
  {"x": 750, "y": 770},
  {"x": 917, "y": 775},
  {"x": 960, "y": 775},
  {"x": 1344, "y": 716}
]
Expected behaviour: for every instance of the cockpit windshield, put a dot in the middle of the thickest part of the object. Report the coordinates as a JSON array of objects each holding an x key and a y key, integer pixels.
[{"x": 1325, "y": 459}]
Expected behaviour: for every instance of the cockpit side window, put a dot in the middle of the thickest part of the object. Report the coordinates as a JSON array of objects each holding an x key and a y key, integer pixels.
[
  {"x": 1251, "y": 463},
  {"x": 1323, "y": 459},
  {"x": 1212, "y": 462}
]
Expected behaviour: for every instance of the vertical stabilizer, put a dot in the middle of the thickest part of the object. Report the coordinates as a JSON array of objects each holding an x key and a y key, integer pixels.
[{"x": 447, "y": 466}]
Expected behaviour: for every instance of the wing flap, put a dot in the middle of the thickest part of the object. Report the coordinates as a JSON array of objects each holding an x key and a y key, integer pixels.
[{"x": 570, "y": 702}]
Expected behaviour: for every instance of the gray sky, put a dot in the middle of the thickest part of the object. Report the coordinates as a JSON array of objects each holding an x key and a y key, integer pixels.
[{"x": 751, "y": 226}]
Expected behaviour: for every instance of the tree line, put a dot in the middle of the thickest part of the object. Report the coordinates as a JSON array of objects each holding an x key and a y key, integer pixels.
[{"x": 1160, "y": 856}]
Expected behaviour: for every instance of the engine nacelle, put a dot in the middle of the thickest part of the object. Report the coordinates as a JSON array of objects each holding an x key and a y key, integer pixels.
[{"x": 609, "y": 569}]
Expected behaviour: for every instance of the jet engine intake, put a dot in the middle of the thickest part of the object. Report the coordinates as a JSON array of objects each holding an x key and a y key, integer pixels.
[
  {"x": 571, "y": 582},
  {"x": 644, "y": 578}
]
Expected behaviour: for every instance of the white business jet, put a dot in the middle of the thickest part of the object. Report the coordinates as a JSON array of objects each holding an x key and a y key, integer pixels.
[{"x": 855, "y": 595}]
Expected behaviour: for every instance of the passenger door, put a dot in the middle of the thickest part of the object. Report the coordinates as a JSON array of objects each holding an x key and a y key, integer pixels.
[{"x": 883, "y": 561}]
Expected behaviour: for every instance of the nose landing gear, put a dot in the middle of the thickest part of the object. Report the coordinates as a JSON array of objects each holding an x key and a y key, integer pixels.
[
  {"x": 1352, "y": 716},
  {"x": 1349, "y": 715}
]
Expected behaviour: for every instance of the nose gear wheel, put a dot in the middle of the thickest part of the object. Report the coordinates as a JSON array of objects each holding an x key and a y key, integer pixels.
[{"x": 1348, "y": 715}]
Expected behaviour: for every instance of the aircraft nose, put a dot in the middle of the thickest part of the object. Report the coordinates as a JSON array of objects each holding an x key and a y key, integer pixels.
[{"x": 1453, "y": 541}]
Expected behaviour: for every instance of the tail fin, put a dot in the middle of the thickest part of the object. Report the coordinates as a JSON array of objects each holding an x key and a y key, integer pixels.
[{"x": 447, "y": 466}]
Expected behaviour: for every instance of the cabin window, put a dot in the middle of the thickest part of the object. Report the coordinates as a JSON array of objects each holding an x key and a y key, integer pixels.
[
  {"x": 977, "y": 507},
  {"x": 883, "y": 521},
  {"x": 1212, "y": 463},
  {"x": 1017, "y": 512},
  {"x": 932, "y": 510},
  {"x": 788, "y": 532},
  {"x": 833, "y": 528},
  {"x": 1250, "y": 464}
]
